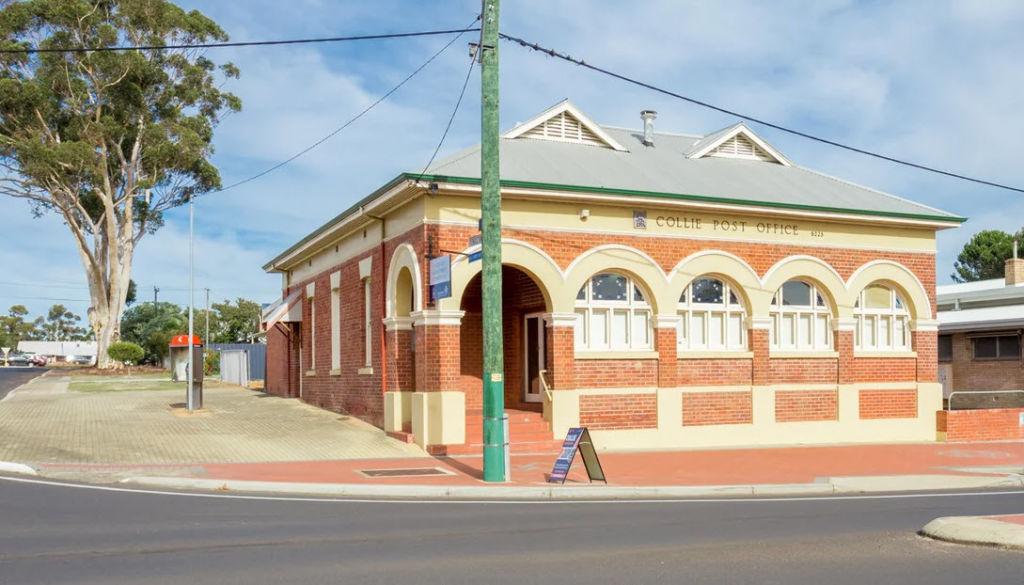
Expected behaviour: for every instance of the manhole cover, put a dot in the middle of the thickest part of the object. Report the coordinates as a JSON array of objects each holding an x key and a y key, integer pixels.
[{"x": 405, "y": 472}]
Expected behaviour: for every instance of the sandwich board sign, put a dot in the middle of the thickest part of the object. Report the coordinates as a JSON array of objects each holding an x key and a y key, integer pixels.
[
  {"x": 577, "y": 439},
  {"x": 440, "y": 277}
]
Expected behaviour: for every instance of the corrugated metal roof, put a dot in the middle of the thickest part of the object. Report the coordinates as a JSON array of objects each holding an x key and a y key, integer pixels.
[
  {"x": 986, "y": 318},
  {"x": 664, "y": 168}
]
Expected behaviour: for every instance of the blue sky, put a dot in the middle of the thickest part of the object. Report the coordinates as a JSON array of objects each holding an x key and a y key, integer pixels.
[{"x": 930, "y": 81}]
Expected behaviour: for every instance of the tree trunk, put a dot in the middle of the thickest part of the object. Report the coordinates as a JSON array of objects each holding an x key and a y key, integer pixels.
[{"x": 108, "y": 269}]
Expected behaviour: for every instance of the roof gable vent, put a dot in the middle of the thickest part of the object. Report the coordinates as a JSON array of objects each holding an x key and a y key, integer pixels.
[
  {"x": 563, "y": 122},
  {"x": 740, "y": 146}
]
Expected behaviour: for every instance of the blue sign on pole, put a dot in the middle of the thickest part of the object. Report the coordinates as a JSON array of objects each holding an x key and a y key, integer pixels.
[
  {"x": 474, "y": 256},
  {"x": 440, "y": 277}
]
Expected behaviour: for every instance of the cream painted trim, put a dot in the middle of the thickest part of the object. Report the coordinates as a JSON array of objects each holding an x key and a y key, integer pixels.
[
  {"x": 893, "y": 274},
  {"x": 310, "y": 290},
  {"x": 310, "y": 372},
  {"x": 606, "y": 391},
  {"x": 404, "y": 256},
  {"x": 667, "y": 321},
  {"x": 884, "y": 354},
  {"x": 365, "y": 371},
  {"x": 560, "y": 319},
  {"x": 803, "y": 354},
  {"x": 365, "y": 267},
  {"x": 397, "y": 323},
  {"x": 709, "y": 389},
  {"x": 335, "y": 280},
  {"x": 797, "y": 387},
  {"x": 924, "y": 325},
  {"x": 616, "y": 355},
  {"x": 634, "y": 201},
  {"x": 760, "y": 322},
  {"x": 741, "y": 128},
  {"x": 705, "y": 355},
  {"x": 642, "y": 234},
  {"x": 844, "y": 324},
  {"x": 335, "y": 372},
  {"x": 568, "y": 107},
  {"x": 437, "y": 317}
]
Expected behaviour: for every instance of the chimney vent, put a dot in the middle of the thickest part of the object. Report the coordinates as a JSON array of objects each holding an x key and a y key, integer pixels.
[
  {"x": 1014, "y": 268},
  {"x": 648, "y": 117}
]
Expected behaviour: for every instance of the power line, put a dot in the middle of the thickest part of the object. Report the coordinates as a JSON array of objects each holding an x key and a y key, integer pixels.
[
  {"x": 465, "y": 83},
  {"x": 627, "y": 79},
  {"x": 357, "y": 116},
  {"x": 404, "y": 35}
]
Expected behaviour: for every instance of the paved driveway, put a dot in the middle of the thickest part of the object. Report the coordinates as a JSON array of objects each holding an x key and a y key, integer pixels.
[
  {"x": 45, "y": 423},
  {"x": 12, "y": 377}
]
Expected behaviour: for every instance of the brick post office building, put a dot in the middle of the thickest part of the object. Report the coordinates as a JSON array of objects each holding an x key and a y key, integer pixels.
[{"x": 664, "y": 290}]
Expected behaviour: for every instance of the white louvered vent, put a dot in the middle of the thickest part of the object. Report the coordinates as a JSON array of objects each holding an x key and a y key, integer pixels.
[
  {"x": 564, "y": 128},
  {"x": 740, "y": 146}
]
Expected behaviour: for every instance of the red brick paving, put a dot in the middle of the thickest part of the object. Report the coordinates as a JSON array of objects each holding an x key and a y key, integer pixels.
[{"x": 707, "y": 467}]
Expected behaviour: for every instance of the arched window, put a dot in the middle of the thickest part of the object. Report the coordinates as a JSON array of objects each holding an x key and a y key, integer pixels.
[
  {"x": 612, "y": 313},
  {"x": 712, "y": 317},
  {"x": 882, "y": 320},
  {"x": 801, "y": 319}
]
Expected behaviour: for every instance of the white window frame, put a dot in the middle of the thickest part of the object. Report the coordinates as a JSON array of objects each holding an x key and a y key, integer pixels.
[
  {"x": 335, "y": 322},
  {"x": 896, "y": 314},
  {"x": 814, "y": 312},
  {"x": 587, "y": 307},
  {"x": 367, "y": 323},
  {"x": 727, "y": 309}
]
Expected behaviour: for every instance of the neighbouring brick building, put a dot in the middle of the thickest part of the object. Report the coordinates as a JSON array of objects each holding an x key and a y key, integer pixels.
[
  {"x": 664, "y": 290},
  {"x": 981, "y": 363}
]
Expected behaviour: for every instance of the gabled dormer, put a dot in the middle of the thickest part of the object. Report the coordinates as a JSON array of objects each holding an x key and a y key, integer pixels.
[
  {"x": 564, "y": 122},
  {"x": 737, "y": 141}
]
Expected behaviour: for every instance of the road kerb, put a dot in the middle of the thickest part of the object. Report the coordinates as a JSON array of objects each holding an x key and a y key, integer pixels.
[
  {"x": 976, "y": 530},
  {"x": 20, "y": 468},
  {"x": 543, "y": 492}
]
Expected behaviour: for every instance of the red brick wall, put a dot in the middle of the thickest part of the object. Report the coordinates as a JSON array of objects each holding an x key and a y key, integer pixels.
[
  {"x": 926, "y": 344},
  {"x": 995, "y": 424},
  {"x": 668, "y": 368},
  {"x": 619, "y": 411},
  {"x": 806, "y": 405},
  {"x": 760, "y": 365},
  {"x": 715, "y": 372},
  {"x": 883, "y": 369},
  {"x": 887, "y": 404},
  {"x": 717, "y": 408},
  {"x": 969, "y": 374},
  {"x": 616, "y": 373},
  {"x": 282, "y": 361},
  {"x": 401, "y": 365},
  {"x": 803, "y": 370},
  {"x": 440, "y": 367},
  {"x": 561, "y": 360}
]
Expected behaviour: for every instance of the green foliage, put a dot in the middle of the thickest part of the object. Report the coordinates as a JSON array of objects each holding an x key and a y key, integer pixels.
[
  {"x": 211, "y": 363},
  {"x": 152, "y": 326},
  {"x": 14, "y": 327},
  {"x": 132, "y": 294},
  {"x": 62, "y": 325},
  {"x": 984, "y": 256},
  {"x": 237, "y": 323},
  {"x": 125, "y": 352}
]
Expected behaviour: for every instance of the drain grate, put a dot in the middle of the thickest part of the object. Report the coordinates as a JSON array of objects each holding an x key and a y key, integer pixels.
[{"x": 405, "y": 472}]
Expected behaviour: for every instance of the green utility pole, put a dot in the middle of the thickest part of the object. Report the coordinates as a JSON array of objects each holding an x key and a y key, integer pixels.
[{"x": 490, "y": 213}]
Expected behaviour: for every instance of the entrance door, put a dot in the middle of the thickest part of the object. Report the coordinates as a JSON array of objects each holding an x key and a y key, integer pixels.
[{"x": 533, "y": 356}]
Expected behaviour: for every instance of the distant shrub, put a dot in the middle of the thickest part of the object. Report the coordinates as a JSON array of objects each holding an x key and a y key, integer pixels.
[{"x": 125, "y": 352}]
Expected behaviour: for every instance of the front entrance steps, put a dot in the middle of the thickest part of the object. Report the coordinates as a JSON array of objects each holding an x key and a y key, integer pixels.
[{"x": 528, "y": 433}]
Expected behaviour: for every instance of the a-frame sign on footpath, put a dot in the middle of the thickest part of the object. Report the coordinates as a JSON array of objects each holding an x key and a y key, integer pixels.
[{"x": 577, "y": 439}]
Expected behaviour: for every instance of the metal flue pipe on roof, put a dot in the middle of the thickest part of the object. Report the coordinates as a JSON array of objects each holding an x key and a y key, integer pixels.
[{"x": 648, "y": 117}]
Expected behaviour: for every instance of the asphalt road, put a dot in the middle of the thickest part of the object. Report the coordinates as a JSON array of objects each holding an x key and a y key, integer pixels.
[
  {"x": 51, "y": 534},
  {"x": 12, "y": 377}
]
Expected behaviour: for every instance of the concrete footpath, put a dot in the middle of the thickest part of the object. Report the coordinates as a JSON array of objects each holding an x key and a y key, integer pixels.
[{"x": 1002, "y": 531}]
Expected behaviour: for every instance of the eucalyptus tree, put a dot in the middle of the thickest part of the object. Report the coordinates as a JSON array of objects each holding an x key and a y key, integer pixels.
[{"x": 108, "y": 140}]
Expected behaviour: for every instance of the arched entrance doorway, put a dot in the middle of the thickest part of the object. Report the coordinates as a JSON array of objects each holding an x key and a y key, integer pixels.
[{"x": 525, "y": 337}]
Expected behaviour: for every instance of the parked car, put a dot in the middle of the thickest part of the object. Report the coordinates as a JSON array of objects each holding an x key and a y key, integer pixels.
[
  {"x": 81, "y": 360},
  {"x": 19, "y": 359},
  {"x": 39, "y": 360}
]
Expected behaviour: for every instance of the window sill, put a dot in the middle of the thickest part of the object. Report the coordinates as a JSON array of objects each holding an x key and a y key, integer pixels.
[
  {"x": 617, "y": 355},
  {"x": 997, "y": 359},
  {"x": 705, "y": 355},
  {"x": 365, "y": 371},
  {"x": 310, "y": 372},
  {"x": 803, "y": 354},
  {"x": 335, "y": 372},
  {"x": 884, "y": 354}
]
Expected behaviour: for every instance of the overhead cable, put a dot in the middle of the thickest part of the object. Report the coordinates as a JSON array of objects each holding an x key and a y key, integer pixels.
[{"x": 756, "y": 120}]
